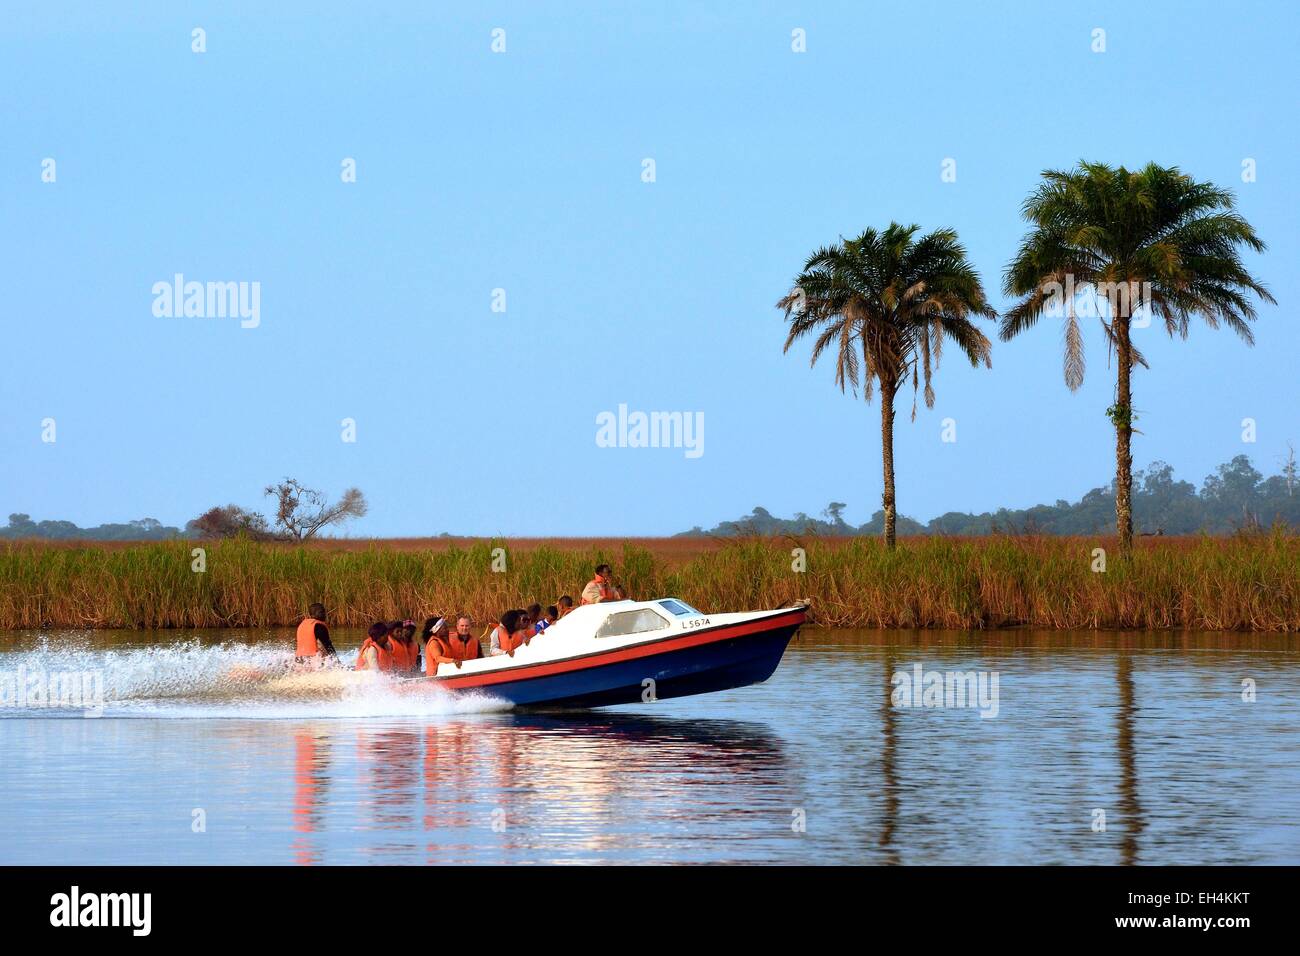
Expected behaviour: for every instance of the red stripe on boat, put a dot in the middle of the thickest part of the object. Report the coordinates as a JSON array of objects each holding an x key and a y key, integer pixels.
[{"x": 599, "y": 658}]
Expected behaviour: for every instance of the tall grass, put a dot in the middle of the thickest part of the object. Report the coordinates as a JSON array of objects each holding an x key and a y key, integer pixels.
[{"x": 1245, "y": 583}]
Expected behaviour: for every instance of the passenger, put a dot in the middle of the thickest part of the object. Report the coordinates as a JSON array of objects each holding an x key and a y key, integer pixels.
[
  {"x": 552, "y": 615},
  {"x": 564, "y": 605},
  {"x": 451, "y": 649},
  {"x": 523, "y": 628},
  {"x": 313, "y": 638},
  {"x": 503, "y": 640},
  {"x": 619, "y": 593},
  {"x": 600, "y": 588},
  {"x": 402, "y": 646},
  {"x": 376, "y": 651},
  {"x": 539, "y": 622},
  {"x": 463, "y": 643},
  {"x": 493, "y": 634},
  {"x": 435, "y": 626}
]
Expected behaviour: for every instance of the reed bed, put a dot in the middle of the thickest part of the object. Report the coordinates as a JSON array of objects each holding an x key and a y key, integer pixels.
[{"x": 1242, "y": 583}]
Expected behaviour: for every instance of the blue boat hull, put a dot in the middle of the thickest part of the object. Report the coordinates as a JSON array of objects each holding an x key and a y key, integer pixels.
[{"x": 720, "y": 665}]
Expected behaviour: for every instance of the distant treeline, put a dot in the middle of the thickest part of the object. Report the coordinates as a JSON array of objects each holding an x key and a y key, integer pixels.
[
  {"x": 301, "y": 513},
  {"x": 145, "y": 529},
  {"x": 1236, "y": 497}
]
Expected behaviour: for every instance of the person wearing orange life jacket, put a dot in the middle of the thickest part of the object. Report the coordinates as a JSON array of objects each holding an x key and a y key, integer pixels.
[
  {"x": 507, "y": 636},
  {"x": 601, "y": 587},
  {"x": 434, "y": 626},
  {"x": 564, "y": 605},
  {"x": 403, "y": 646},
  {"x": 464, "y": 643},
  {"x": 313, "y": 638},
  {"x": 376, "y": 651},
  {"x": 444, "y": 648}
]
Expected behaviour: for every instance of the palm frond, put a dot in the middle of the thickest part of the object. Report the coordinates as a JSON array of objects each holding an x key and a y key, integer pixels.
[{"x": 1155, "y": 229}]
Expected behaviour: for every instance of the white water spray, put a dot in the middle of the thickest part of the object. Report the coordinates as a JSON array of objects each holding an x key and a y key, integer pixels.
[{"x": 189, "y": 679}]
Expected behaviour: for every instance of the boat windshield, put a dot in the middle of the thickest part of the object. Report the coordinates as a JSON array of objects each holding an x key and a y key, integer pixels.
[
  {"x": 631, "y": 622},
  {"x": 679, "y": 608}
]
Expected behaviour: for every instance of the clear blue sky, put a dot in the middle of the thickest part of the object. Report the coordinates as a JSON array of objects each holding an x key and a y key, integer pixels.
[{"x": 523, "y": 171}]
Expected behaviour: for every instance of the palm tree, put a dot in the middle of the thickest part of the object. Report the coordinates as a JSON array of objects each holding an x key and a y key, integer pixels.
[
  {"x": 885, "y": 301},
  {"x": 1153, "y": 239}
]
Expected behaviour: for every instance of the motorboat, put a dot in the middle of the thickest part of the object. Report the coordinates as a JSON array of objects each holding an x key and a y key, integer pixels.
[{"x": 626, "y": 652}]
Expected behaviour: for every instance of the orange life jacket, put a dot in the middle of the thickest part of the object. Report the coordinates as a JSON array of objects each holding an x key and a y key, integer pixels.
[
  {"x": 433, "y": 649},
  {"x": 606, "y": 592},
  {"x": 467, "y": 651},
  {"x": 403, "y": 654},
  {"x": 449, "y": 648},
  {"x": 384, "y": 658},
  {"x": 509, "y": 642},
  {"x": 307, "y": 638}
]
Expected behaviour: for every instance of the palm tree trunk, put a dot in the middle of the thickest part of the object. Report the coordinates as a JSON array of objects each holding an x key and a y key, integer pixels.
[
  {"x": 887, "y": 456},
  {"x": 1123, "y": 439}
]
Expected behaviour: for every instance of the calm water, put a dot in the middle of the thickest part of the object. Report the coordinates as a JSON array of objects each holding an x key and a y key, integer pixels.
[{"x": 199, "y": 757}]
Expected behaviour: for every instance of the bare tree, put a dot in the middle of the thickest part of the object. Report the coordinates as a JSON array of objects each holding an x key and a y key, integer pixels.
[
  {"x": 301, "y": 512},
  {"x": 1289, "y": 469}
]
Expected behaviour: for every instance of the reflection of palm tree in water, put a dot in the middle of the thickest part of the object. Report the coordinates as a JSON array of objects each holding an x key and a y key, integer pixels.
[
  {"x": 888, "y": 766},
  {"x": 1129, "y": 805}
]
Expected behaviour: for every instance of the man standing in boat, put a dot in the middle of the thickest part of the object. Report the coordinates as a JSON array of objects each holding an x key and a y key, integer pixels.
[
  {"x": 314, "y": 637},
  {"x": 601, "y": 587}
]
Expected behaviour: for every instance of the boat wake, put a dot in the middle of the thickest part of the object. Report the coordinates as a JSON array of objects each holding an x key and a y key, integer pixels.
[{"x": 189, "y": 679}]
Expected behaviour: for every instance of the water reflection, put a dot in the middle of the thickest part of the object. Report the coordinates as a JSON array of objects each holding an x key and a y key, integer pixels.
[
  {"x": 888, "y": 769},
  {"x": 310, "y": 780},
  {"x": 1150, "y": 728},
  {"x": 1129, "y": 804},
  {"x": 505, "y": 786}
]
